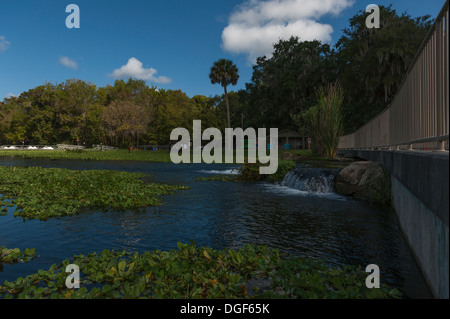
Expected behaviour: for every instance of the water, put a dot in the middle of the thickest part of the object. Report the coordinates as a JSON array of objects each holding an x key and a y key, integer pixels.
[
  {"x": 219, "y": 214},
  {"x": 311, "y": 179}
]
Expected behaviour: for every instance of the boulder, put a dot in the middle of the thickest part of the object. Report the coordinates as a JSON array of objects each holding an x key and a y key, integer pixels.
[{"x": 368, "y": 181}]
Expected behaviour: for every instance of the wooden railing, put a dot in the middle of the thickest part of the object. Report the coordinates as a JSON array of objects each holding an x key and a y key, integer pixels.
[{"x": 418, "y": 117}]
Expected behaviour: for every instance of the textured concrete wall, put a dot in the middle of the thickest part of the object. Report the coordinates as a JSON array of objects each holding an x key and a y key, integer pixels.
[
  {"x": 420, "y": 196},
  {"x": 427, "y": 235}
]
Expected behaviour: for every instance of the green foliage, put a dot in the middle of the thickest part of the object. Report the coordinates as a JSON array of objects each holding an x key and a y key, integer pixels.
[
  {"x": 193, "y": 272},
  {"x": 13, "y": 256},
  {"x": 76, "y": 151},
  {"x": 284, "y": 166},
  {"x": 42, "y": 193},
  {"x": 384, "y": 197},
  {"x": 4, "y": 204},
  {"x": 378, "y": 193},
  {"x": 119, "y": 155},
  {"x": 127, "y": 112},
  {"x": 286, "y": 83},
  {"x": 225, "y": 73},
  {"x": 250, "y": 172},
  {"x": 373, "y": 62},
  {"x": 370, "y": 64},
  {"x": 325, "y": 121},
  {"x": 304, "y": 278}
]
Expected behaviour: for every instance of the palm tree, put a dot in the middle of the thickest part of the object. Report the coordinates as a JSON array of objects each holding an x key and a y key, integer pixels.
[{"x": 224, "y": 72}]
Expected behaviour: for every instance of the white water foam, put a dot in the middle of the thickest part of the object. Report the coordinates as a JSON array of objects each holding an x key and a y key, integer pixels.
[
  {"x": 226, "y": 172},
  {"x": 288, "y": 191}
]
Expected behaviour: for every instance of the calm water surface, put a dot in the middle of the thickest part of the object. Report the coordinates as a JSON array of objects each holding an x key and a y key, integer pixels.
[{"x": 329, "y": 227}]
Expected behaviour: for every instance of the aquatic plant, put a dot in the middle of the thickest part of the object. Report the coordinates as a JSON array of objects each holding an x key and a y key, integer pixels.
[
  {"x": 193, "y": 272},
  {"x": 15, "y": 255},
  {"x": 42, "y": 193}
]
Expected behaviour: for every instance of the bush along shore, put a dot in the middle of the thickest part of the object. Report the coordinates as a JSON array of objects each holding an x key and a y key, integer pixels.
[
  {"x": 193, "y": 272},
  {"x": 117, "y": 155},
  {"x": 42, "y": 193},
  {"x": 250, "y": 172}
]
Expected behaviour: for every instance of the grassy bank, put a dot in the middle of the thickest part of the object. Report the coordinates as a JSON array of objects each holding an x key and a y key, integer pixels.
[
  {"x": 125, "y": 155},
  {"x": 42, "y": 193},
  {"x": 193, "y": 272},
  {"x": 119, "y": 155}
]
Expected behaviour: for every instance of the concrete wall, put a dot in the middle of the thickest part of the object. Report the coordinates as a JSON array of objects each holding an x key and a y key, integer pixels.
[{"x": 420, "y": 196}]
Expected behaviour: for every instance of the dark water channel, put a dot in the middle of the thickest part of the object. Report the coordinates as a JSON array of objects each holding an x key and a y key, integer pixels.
[{"x": 221, "y": 215}]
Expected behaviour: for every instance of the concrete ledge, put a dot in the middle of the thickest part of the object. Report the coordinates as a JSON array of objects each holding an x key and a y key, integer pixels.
[{"x": 424, "y": 174}]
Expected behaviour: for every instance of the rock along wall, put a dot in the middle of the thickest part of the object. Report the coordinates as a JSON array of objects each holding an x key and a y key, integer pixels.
[
  {"x": 420, "y": 196},
  {"x": 368, "y": 181}
]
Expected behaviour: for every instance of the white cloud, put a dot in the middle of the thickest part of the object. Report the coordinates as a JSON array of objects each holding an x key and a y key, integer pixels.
[
  {"x": 10, "y": 95},
  {"x": 135, "y": 69},
  {"x": 256, "y": 25},
  {"x": 68, "y": 62},
  {"x": 4, "y": 45}
]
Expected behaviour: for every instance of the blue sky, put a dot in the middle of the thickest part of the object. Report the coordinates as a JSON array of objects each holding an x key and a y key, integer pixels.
[{"x": 169, "y": 43}]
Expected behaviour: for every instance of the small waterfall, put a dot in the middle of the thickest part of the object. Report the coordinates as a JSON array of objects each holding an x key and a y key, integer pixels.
[{"x": 311, "y": 180}]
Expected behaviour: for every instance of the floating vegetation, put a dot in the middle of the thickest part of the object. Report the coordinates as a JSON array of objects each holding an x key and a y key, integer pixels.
[
  {"x": 196, "y": 272},
  {"x": 13, "y": 256},
  {"x": 4, "y": 204},
  {"x": 42, "y": 193}
]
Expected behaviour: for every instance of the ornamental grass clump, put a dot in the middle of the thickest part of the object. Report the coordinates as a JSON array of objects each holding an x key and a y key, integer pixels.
[{"x": 325, "y": 121}]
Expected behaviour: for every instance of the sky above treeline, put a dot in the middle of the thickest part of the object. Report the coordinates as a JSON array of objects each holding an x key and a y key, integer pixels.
[{"x": 170, "y": 44}]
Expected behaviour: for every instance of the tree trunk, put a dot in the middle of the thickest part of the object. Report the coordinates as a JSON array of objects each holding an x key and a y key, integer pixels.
[{"x": 228, "y": 106}]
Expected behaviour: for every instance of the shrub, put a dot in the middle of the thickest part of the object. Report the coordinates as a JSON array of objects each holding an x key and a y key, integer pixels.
[
  {"x": 325, "y": 121},
  {"x": 250, "y": 172}
]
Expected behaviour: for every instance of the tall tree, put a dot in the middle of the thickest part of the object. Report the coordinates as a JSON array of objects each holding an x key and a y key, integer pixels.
[
  {"x": 373, "y": 62},
  {"x": 75, "y": 100},
  {"x": 125, "y": 122},
  {"x": 286, "y": 83},
  {"x": 225, "y": 73}
]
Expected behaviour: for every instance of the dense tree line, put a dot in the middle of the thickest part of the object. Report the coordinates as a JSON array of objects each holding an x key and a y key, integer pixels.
[
  {"x": 128, "y": 112},
  {"x": 368, "y": 64}
]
